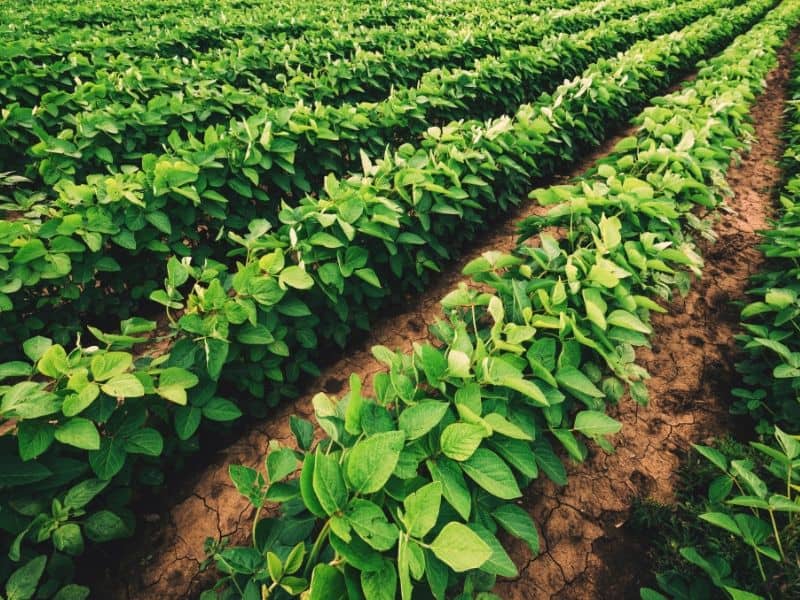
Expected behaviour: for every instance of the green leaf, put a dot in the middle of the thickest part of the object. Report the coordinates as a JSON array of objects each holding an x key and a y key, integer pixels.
[
  {"x": 77, "y": 403},
  {"x": 460, "y": 440},
  {"x": 81, "y": 494},
  {"x": 721, "y": 520},
  {"x": 327, "y": 583},
  {"x": 23, "y": 582},
  {"x": 145, "y": 441},
  {"x": 626, "y": 320},
  {"x": 372, "y": 461},
  {"x": 79, "y": 432},
  {"x": 592, "y": 423},
  {"x": 380, "y": 584},
  {"x": 716, "y": 457},
  {"x": 574, "y": 380},
  {"x": 108, "y": 364},
  {"x": 371, "y": 524},
  {"x": 328, "y": 483},
  {"x": 54, "y": 362},
  {"x": 369, "y": 276},
  {"x": 68, "y": 539},
  {"x": 454, "y": 488},
  {"x": 109, "y": 459},
  {"x": 123, "y": 386},
  {"x": 492, "y": 473},
  {"x": 280, "y": 464},
  {"x": 104, "y": 526},
  {"x": 518, "y": 523},
  {"x": 35, "y": 347},
  {"x": 294, "y": 276},
  {"x": 220, "y": 409},
  {"x": 460, "y": 548},
  {"x": 422, "y": 509},
  {"x": 419, "y": 419},
  {"x": 34, "y": 438},
  {"x": 72, "y": 591}
]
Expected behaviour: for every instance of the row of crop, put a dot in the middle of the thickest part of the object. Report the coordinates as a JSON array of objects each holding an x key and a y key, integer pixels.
[
  {"x": 100, "y": 124},
  {"x": 194, "y": 27},
  {"x": 407, "y": 490},
  {"x": 341, "y": 54},
  {"x": 744, "y": 544},
  {"x": 200, "y": 183},
  {"x": 152, "y": 96},
  {"x": 99, "y": 403}
]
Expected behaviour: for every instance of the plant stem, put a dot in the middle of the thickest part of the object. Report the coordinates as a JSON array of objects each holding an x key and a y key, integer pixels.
[
  {"x": 777, "y": 534},
  {"x": 760, "y": 566},
  {"x": 255, "y": 523},
  {"x": 312, "y": 556}
]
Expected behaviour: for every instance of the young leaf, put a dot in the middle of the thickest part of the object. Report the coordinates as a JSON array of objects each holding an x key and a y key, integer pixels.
[
  {"x": 460, "y": 548},
  {"x": 492, "y": 473},
  {"x": 422, "y": 509},
  {"x": 372, "y": 461}
]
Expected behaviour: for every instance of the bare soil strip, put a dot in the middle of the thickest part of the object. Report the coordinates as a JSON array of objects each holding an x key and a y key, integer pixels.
[
  {"x": 584, "y": 553},
  {"x": 691, "y": 365}
]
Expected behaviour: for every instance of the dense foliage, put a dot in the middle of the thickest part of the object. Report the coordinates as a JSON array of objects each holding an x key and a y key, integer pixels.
[
  {"x": 407, "y": 490},
  {"x": 242, "y": 192}
]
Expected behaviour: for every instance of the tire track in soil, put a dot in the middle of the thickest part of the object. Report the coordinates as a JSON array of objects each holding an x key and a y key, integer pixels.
[
  {"x": 585, "y": 553},
  {"x": 166, "y": 560}
]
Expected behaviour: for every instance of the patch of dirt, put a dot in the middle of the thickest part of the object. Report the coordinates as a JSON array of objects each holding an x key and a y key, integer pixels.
[
  {"x": 586, "y": 552},
  {"x": 580, "y": 525}
]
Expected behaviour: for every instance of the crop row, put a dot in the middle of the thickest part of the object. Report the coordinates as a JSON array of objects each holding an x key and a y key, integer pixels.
[
  {"x": 228, "y": 178},
  {"x": 155, "y": 96},
  {"x": 752, "y": 503},
  {"x": 340, "y": 53},
  {"x": 98, "y": 401},
  {"x": 407, "y": 490}
]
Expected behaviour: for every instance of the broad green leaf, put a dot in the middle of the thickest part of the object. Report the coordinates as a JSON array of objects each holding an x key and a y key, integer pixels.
[
  {"x": 592, "y": 423},
  {"x": 104, "y": 526},
  {"x": 419, "y": 419},
  {"x": 454, "y": 488},
  {"x": 22, "y": 583},
  {"x": 492, "y": 473},
  {"x": 123, "y": 386},
  {"x": 574, "y": 380},
  {"x": 518, "y": 523},
  {"x": 280, "y": 464},
  {"x": 294, "y": 276},
  {"x": 328, "y": 483},
  {"x": 460, "y": 548},
  {"x": 108, "y": 364},
  {"x": 460, "y": 440},
  {"x": 422, "y": 509},
  {"x": 371, "y": 461},
  {"x": 80, "y": 433},
  {"x": 380, "y": 584},
  {"x": 145, "y": 441},
  {"x": 327, "y": 583},
  {"x": 109, "y": 459},
  {"x": 370, "y": 523}
]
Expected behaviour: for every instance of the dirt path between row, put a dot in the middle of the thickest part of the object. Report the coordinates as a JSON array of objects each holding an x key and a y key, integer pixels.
[
  {"x": 578, "y": 524},
  {"x": 585, "y": 553}
]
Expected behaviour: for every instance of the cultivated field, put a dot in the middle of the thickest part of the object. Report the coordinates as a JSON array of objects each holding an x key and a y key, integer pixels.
[{"x": 366, "y": 300}]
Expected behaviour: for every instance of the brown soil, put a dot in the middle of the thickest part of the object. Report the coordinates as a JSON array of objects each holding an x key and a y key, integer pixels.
[
  {"x": 580, "y": 523},
  {"x": 585, "y": 553}
]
